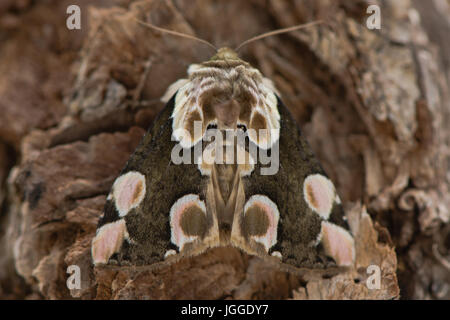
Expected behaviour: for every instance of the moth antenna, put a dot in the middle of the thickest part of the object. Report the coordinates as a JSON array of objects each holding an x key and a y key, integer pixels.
[
  {"x": 278, "y": 31},
  {"x": 175, "y": 33}
]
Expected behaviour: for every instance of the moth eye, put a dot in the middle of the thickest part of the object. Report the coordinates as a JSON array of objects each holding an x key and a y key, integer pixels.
[
  {"x": 260, "y": 220},
  {"x": 187, "y": 220},
  {"x": 338, "y": 243}
]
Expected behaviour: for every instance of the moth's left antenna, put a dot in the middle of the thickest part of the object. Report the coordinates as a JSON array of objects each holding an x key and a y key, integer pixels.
[{"x": 175, "y": 33}]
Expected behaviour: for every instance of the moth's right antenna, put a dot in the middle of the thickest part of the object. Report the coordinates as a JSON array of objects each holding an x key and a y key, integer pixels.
[
  {"x": 175, "y": 33},
  {"x": 274, "y": 32}
]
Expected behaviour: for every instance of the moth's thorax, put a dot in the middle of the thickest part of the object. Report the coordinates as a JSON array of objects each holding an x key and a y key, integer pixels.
[
  {"x": 227, "y": 114},
  {"x": 228, "y": 92}
]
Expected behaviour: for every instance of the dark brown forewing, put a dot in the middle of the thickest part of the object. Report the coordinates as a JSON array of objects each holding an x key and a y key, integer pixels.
[
  {"x": 299, "y": 226},
  {"x": 148, "y": 224}
]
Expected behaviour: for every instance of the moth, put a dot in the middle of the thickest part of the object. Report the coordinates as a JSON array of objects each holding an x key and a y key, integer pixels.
[{"x": 224, "y": 164}]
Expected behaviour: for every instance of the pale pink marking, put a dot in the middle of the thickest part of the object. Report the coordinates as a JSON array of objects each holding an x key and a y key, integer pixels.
[
  {"x": 178, "y": 208},
  {"x": 125, "y": 188},
  {"x": 323, "y": 194},
  {"x": 338, "y": 243},
  {"x": 108, "y": 240},
  {"x": 270, "y": 208}
]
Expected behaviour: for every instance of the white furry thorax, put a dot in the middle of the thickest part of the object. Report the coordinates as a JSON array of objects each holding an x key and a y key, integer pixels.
[{"x": 224, "y": 79}]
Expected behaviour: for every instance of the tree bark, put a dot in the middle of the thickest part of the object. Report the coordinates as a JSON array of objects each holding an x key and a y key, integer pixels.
[{"x": 373, "y": 104}]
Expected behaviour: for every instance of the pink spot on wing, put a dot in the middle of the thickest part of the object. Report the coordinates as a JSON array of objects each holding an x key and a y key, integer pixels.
[
  {"x": 319, "y": 194},
  {"x": 108, "y": 240},
  {"x": 178, "y": 208},
  {"x": 129, "y": 191},
  {"x": 338, "y": 244},
  {"x": 271, "y": 210},
  {"x": 178, "y": 234}
]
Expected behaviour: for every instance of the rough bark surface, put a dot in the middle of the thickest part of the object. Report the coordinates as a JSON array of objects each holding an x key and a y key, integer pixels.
[{"x": 374, "y": 105}]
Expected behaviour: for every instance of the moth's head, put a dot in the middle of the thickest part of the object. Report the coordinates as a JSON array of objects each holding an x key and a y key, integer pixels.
[{"x": 225, "y": 53}]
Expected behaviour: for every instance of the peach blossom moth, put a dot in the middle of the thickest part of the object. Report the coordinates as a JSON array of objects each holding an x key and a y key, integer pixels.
[{"x": 159, "y": 211}]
